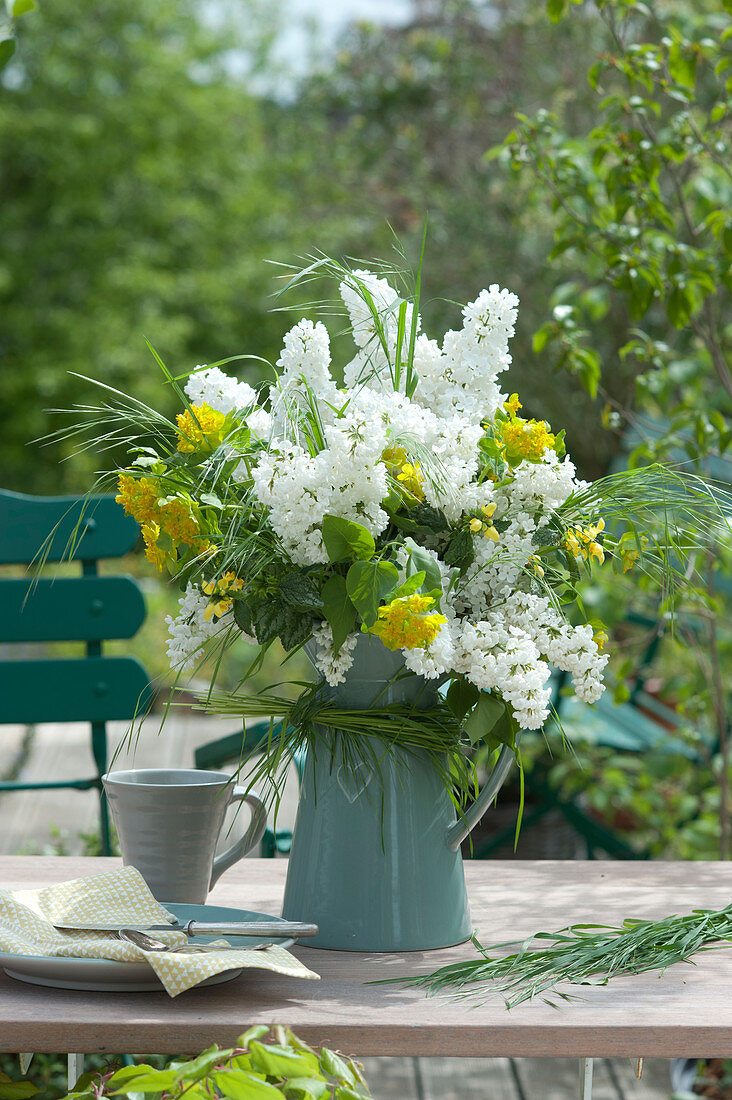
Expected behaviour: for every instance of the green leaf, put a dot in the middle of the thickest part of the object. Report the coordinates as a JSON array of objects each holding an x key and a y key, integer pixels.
[
  {"x": 461, "y": 697},
  {"x": 333, "y": 1064},
  {"x": 368, "y": 583},
  {"x": 22, "y": 7},
  {"x": 503, "y": 732},
  {"x": 17, "y": 1090},
  {"x": 278, "y": 1061},
  {"x": 340, "y": 614},
  {"x": 541, "y": 337},
  {"x": 307, "y": 1088},
  {"x": 275, "y": 618},
  {"x": 460, "y": 552},
  {"x": 411, "y": 585},
  {"x": 240, "y": 1085},
  {"x": 678, "y": 307},
  {"x": 146, "y": 1079},
  {"x": 301, "y": 591},
  {"x": 243, "y": 616},
  {"x": 421, "y": 561},
  {"x": 427, "y": 516},
  {"x": 486, "y": 714},
  {"x": 7, "y": 49},
  {"x": 682, "y": 66},
  {"x": 344, "y": 539},
  {"x": 555, "y": 9}
]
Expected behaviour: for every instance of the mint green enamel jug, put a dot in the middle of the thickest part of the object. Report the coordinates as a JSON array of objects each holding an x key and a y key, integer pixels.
[{"x": 375, "y": 858}]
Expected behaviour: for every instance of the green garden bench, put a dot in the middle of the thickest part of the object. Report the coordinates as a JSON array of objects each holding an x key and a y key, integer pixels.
[{"x": 89, "y": 608}]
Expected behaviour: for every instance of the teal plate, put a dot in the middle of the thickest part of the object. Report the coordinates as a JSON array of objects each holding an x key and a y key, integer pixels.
[{"x": 110, "y": 976}]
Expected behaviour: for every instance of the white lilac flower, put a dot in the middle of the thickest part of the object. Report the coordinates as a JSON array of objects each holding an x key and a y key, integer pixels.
[
  {"x": 305, "y": 364},
  {"x": 189, "y": 631},
  {"x": 210, "y": 386},
  {"x": 331, "y": 666}
]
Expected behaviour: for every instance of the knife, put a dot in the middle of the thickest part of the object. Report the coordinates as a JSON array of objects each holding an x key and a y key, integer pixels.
[{"x": 207, "y": 928}]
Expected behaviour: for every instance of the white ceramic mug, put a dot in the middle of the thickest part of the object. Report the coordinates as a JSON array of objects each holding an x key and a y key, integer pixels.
[{"x": 168, "y": 821}]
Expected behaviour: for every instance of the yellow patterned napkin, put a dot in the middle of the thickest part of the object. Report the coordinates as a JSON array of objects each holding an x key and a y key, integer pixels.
[{"x": 27, "y": 919}]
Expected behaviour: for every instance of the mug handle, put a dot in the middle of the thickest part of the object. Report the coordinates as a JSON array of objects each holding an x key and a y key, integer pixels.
[{"x": 251, "y": 837}]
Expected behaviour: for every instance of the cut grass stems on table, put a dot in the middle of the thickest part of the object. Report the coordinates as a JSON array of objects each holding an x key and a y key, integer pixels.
[{"x": 583, "y": 954}]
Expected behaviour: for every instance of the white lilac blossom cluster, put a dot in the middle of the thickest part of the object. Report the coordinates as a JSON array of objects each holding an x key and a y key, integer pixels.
[{"x": 501, "y": 629}]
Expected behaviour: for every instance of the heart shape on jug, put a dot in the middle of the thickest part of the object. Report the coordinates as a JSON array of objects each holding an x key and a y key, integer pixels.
[{"x": 353, "y": 779}]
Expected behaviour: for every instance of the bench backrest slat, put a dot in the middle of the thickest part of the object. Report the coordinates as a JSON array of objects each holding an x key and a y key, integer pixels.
[
  {"x": 26, "y": 522},
  {"x": 68, "y": 609},
  {"x": 96, "y": 689}
]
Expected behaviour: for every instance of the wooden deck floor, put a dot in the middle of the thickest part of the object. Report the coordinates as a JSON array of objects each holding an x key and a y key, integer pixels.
[{"x": 26, "y": 820}]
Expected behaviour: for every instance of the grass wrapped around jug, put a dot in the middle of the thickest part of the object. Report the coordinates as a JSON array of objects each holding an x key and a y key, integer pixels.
[{"x": 413, "y": 530}]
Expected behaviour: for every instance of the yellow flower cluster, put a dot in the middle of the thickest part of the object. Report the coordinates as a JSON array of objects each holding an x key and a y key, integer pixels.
[
  {"x": 172, "y": 517},
  {"x": 138, "y": 496},
  {"x": 478, "y": 525},
  {"x": 408, "y": 473},
  {"x": 581, "y": 542},
  {"x": 408, "y": 623},
  {"x": 220, "y": 600},
  {"x": 519, "y": 439},
  {"x": 204, "y": 430},
  {"x": 524, "y": 439},
  {"x": 153, "y": 553}
]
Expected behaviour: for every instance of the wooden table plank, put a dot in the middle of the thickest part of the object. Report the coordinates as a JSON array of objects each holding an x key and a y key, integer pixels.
[{"x": 679, "y": 1013}]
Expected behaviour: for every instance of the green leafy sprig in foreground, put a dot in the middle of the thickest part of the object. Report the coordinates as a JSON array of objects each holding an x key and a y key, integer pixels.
[
  {"x": 584, "y": 954},
  {"x": 252, "y": 1070}
]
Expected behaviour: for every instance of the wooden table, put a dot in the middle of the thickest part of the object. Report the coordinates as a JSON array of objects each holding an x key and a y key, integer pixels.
[{"x": 685, "y": 1012}]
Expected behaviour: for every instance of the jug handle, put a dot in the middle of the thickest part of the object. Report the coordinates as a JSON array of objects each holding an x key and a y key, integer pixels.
[{"x": 457, "y": 832}]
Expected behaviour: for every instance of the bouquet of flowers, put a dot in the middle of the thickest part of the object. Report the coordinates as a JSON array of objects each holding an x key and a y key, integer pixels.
[{"x": 413, "y": 502}]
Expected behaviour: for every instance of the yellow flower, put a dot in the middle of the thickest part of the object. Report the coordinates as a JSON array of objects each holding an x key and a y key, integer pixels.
[
  {"x": 138, "y": 496},
  {"x": 201, "y": 431},
  {"x": 409, "y": 474},
  {"x": 488, "y": 510},
  {"x": 630, "y": 551},
  {"x": 523, "y": 439},
  {"x": 476, "y": 525},
  {"x": 491, "y": 533},
  {"x": 600, "y": 639},
  {"x": 411, "y": 478},
  {"x": 177, "y": 520},
  {"x": 535, "y": 563},
  {"x": 153, "y": 553},
  {"x": 219, "y": 591},
  {"x": 408, "y": 623},
  {"x": 581, "y": 542},
  {"x": 513, "y": 405}
]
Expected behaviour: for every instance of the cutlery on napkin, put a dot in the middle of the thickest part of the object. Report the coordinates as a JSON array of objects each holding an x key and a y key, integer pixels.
[{"x": 28, "y": 920}]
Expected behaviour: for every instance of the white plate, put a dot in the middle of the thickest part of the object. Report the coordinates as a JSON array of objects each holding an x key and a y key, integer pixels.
[{"x": 110, "y": 976}]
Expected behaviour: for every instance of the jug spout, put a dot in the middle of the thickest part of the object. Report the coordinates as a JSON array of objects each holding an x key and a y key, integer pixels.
[{"x": 457, "y": 832}]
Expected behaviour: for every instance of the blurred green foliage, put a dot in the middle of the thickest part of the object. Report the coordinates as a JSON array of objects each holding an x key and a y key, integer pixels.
[
  {"x": 145, "y": 183},
  {"x": 142, "y": 189}
]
